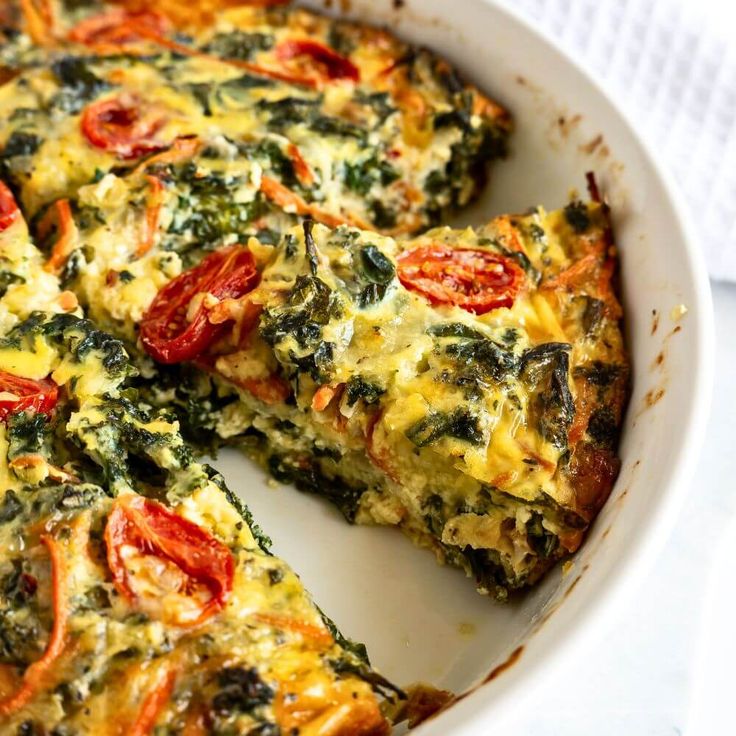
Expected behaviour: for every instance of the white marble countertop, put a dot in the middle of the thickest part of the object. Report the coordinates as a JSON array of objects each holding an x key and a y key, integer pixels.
[{"x": 662, "y": 670}]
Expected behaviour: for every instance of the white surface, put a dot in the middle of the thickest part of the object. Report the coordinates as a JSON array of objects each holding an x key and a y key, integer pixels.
[
  {"x": 672, "y": 63},
  {"x": 667, "y": 653},
  {"x": 394, "y": 597}
]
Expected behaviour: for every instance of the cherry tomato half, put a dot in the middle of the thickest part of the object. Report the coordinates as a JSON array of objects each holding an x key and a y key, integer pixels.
[
  {"x": 122, "y": 125},
  {"x": 119, "y": 27},
  {"x": 9, "y": 211},
  {"x": 23, "y": 394},
  {"x": 166, "y": 333},
  {"x": 164, "y": 564},
  {"x": 333, "y": 64},
  {"x": 472, "y": 279}
]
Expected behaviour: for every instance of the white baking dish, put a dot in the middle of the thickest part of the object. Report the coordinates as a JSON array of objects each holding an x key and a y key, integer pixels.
[{"x": 423, "y": 622}]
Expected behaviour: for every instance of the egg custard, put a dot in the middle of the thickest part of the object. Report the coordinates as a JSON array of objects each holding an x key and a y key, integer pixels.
[{"x": 136, "y": 593}]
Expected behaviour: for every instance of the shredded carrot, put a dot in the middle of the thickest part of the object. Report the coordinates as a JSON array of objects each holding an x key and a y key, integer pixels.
[
  {"x": 283, "y": 197},
  {"x": 321, "y": 637},
  {"x": 379, "y": 459},
  {"x": 180, "y": 150},
  {"x": 153, "y": 210},
  {"x": 64, "y": 244},
  {"x": 153, "y": 704},
  {"x": 39, "y": 20},
  {"x": 323, "y": 396},
  {"x": 68, "y": 301},
  {"x": 579, "y": 271},
  {"x": 301, "y": 167},
  {"x": 34, "y": 675},
  {"x": 271, "y": 390}
]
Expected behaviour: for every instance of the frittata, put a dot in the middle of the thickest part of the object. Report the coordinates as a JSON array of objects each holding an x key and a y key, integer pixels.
[
  {"x": 238, "y": 210},
  {"x": 466, "y": 386},
  {"x": 136, "y": 593}
]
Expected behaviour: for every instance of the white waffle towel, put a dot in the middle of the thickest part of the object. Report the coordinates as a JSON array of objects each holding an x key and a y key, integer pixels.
[{"x": 672, "y": 65}]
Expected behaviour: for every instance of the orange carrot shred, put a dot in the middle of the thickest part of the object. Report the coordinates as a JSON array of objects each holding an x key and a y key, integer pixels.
[
  {"x": 301, "y": 167},
  {"x": 33, "y": 676},
  {"x": 153, "y": 704},
  {"x": 39, "y": 20},
  {"x": 153, "y": 211},
  {"x": 65, "y": 242},
  {"x": 283, "y": 197},
  {"x": 321, "y": 637},
  {"x": 180, "y": 150}
]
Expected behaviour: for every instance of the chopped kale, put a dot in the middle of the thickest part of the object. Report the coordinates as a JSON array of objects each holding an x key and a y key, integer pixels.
[
  {"x": 325, "y": 125},
  {"x": 545, "y": 368},
  {"x": 11, "y": 506},
  {"x": 78, "y": 83},
  {"x": 484, "y": 358},
  {"x": 384, "y": 217},
  {"x": 359, "y": 388},
  {"x": 7, "y": 278},
  {"x": 310, "y": 306},
  {"x": 240, "y": 691},
  {"x": 21, "y": 143},
  {"x": 455, "y": 329},
  {"x": 201, "y": 93},
  {"x": 541, "y": 540},
  {"x": 603, "y": 427},
  {"x": 27, "y": 433},
  {"x": 361, "y": 176},
  {"x": 576, "y": 214},
  {"x": 312, "y": 257},
  {"x": 308, "y": 478},
  {"x": 460, "y": 424},
  {"x": 599, "y": 373},
  {"x": 238, "y": 45},
  {"x": 288, "y": 111}
]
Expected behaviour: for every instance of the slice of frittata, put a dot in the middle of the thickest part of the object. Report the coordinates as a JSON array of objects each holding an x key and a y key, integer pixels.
[
  {"x": 136, "y": 593},
  {"x": 465, "y": 385},
  {"x": 338, "y": 120}
]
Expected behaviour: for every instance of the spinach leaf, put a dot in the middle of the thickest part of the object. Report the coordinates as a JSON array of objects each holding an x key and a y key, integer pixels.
[
  {"x": 545, "y": 369},
  {"x": 576, "y": 214},
  {"x": 459, "y": 423},
  {"x": 358, "y": 388},
  {"x": 238, "y": 44},
  {"x": 78, "y": 83}
]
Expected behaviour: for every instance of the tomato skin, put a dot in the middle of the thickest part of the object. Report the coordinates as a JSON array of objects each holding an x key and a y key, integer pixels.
[
  {"x": 33, "y": 396},
  {"x": 9, "y": 211},
  {"x": 123, "y": 126},
  {"x": 335, "y": 65},
  {"x": 470, "y": 278},
  {"x": 119, "y": 27},
  {"x": 166, "y": 334},
  {"x": 154, "y": 530}
]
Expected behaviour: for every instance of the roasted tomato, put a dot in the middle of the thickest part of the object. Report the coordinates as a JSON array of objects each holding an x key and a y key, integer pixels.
[
  {"x": 118, "y": 27},
  {"x": 123, "y": 125},
  {"x": 331, "y": 64},
  {"x": 176, "y": 326},
  {"x": 9, "y": 211},
  {"x": 472, "y": 279},
  {"x": 22, "y": 394},
  {"x": 164, "y": 564}
]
